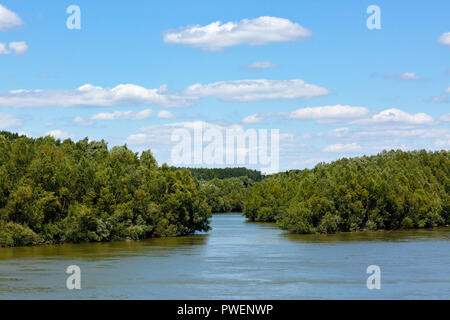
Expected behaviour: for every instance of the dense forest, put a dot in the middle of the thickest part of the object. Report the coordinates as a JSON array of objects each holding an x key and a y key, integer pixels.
[
  {"x": 226, "y": 195},
  {"x": 392, "y": 190},
  {"x": 55, "y": 192},
  {"x": 226, "y": 188},
  {"x": 224, "y": 173}
]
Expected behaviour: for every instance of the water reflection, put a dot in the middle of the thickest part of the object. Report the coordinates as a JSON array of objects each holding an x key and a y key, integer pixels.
[
  {"x": 105, "y": 250},
  {"x": 441, "y": 234},
  {"x": 236, "y": 260}
]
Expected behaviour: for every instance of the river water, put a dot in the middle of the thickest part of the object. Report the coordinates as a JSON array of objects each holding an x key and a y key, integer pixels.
[{"x": 236, "y": 260}]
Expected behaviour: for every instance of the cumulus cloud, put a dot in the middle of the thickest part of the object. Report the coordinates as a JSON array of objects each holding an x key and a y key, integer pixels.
[
  {"x": 339, "y": 132},
  {"x": 88, "y": 95},
  {"x": 255, "y": 32},
  {"x": 123, "y": 115},
  {"x": 8, "y": 19},
  {"x": 211, "y": 144},
  {"x": 164, "y": 114},
  {"x": 16, "y": 48},
  {"x": 445, "y": 39},
  {"x": 253, "y": 118},
  {"x": 80, "y": 121},
  {"x": 259, "y": 89},
  {"x": 116, "y": 115},
  {"x": 339, "y": 147},
  {"x": 130, "y": 94},
  {"x": 59, "y": 134},
  {"x": 259, "y": 66},
  {"x": 358, "y": 116},
  {"x": 400, "y": 116},
  {"x": 256, "y": 118},
  {"x": 328, "y": 113},
  {"x": 8, "y": 121}
]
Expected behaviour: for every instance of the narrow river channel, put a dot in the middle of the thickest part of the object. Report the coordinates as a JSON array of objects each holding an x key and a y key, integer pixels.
[{"x": 236, "y": 260}]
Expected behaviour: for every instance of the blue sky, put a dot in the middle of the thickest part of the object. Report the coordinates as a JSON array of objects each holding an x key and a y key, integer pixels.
[{"x": 311, "y": 69}]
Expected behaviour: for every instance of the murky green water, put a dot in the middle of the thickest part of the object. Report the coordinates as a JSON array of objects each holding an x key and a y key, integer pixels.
[{"x": 236, "y": 260}]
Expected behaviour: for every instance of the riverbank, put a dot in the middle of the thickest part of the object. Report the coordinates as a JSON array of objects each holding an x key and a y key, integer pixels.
[{"x": 236, "y": 260}]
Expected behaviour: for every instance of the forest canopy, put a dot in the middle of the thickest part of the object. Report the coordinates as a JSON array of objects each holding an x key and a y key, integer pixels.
[
  {"x": 226, "y": 188},
  {"x": 392, "y": 190},
  {"x": 224, "y": 173},
  {"x": 55, "y": 192}
]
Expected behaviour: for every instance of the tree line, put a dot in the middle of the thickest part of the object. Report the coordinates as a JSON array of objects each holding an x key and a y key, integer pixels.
[
  {"x": 226, "y": 188},
  {"x": 392, "y": 190},
  {"x": 54, "y": 191},
  {"x": 224, "y": 173}
]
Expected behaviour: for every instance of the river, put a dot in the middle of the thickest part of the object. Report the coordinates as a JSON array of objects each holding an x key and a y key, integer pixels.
[{"x": 236, "y": 260}]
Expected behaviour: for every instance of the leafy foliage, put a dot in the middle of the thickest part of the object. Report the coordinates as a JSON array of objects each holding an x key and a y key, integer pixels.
[
  {"x": 224, "y": 173},
  {"x": 392, "y": 190},
  {"x": 54, "y": 192},
  {"x": 226, "y": 195}
]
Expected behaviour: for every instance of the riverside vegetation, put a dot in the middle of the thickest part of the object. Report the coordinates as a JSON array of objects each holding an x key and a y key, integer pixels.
[
  {"x": 392, "y": 190},
  {"x": 54, "y": 191}
]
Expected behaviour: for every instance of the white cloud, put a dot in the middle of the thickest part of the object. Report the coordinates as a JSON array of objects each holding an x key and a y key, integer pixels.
[
  {"x": 217, "y": 36},
  {"x": 445, "y": 39},
  {"x": 253, "y": 118},
  {"x": 445, "y": 118},
  {"x": 8, "y": 121},
  {"x": 161, "y": 139},
  {"x": 259, "y": 65},
  {"x": 123, "y": 115},
  {"x": 130, "y": 94},
  {"x": 408, "y": 76},
  {"x": 88, "y": 95},
  {"x": 339, "y": 132},
  {"x": 328, "y": 113},
  {"x": 162, "y": 133},
  {"x": 358, "y": 116},
  {"x": 80, "y": 121},
  {"x": 164, "y": 114},
  {"x": 339, "y": 147},
  {"x": 59, "y": 134},
  {"x": 18, "y": 48},
  {"x": 8, "y": 19},
  {"x": 400, "y": 116},
  {"x": 3, "y": 49},
  {"x": 257, "y": 117},
  {"x": 447, "y": 90},
  {"x": 403, "y": 133},
  {"x": 260, "y": 89}
]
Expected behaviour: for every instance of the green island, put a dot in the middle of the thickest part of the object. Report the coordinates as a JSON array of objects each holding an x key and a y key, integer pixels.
[{"x": 54, "y": 191}]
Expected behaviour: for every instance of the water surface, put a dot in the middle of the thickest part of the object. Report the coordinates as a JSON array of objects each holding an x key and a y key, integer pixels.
[{"x": 236, "y": 260}]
